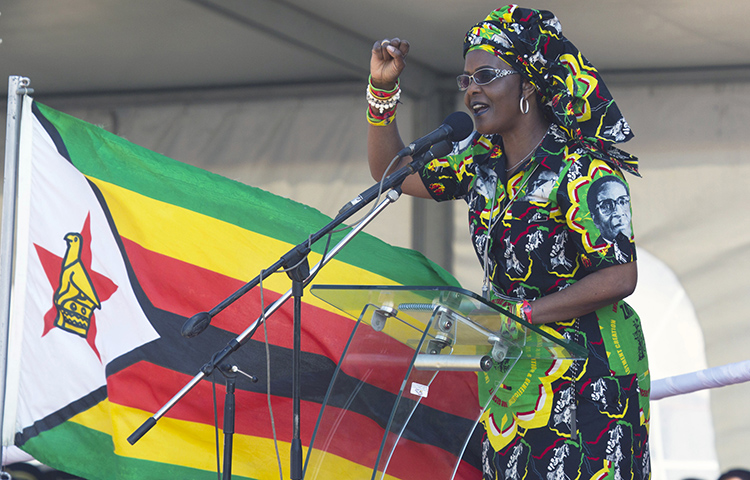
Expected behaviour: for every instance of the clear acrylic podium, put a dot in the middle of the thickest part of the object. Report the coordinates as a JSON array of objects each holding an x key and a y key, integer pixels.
[{"x": 412, "y": 356}]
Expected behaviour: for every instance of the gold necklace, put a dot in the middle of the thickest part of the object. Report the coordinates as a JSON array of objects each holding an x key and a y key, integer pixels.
[{"x": 528, "y": 155}]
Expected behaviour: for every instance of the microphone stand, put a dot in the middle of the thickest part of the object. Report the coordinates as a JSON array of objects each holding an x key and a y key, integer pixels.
[
  {"x": 295, "y": 261},
  {"x": 230, "y": 374},
  {"x": 298, "y": 285},
  {"x": 229, "y": 411}
]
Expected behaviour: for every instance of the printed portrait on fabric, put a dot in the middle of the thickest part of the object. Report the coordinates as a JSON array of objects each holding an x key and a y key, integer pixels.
[
  {"x": 609, "y": 204},
  {"x": 482, "y": 200},
  {"x": 541, "y": 187},
  {"x": 601, "y": 210}
]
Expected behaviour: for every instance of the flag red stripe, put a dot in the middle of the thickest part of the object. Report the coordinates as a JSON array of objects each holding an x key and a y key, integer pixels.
[
  {"x": 186, "y": 289},
  {"x": 147, "y": 387}
]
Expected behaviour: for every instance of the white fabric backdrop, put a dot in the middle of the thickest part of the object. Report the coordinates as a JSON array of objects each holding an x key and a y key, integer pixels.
[{"x": 690, "y": 213}]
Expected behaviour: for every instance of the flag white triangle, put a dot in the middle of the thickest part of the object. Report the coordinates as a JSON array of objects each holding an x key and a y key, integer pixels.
[{"x": 56, "y": 365}]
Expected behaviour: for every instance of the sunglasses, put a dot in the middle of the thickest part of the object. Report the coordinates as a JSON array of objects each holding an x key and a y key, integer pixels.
[{"x": 483, "y": 76}]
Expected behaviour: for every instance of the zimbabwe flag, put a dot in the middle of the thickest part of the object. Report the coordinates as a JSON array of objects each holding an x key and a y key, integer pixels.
[{"x": 116, "y": 246}]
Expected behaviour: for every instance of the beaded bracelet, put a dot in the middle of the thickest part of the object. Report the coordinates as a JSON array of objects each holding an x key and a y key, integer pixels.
[{"x": 382, "y": 104}]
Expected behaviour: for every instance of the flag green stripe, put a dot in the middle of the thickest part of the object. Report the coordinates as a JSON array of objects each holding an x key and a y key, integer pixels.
[
  {"x": 88, "y": 453},
  {"x": 105, "y": 156}
]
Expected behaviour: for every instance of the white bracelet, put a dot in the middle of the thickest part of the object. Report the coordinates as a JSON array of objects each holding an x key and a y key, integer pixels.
[{"x": 381, "y": 104}]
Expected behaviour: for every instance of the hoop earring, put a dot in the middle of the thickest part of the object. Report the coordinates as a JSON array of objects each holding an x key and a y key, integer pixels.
[{"x": 524, "y": 110}]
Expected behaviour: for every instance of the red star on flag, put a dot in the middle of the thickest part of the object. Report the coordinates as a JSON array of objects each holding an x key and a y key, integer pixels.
[{"x": 103, "y": 286}]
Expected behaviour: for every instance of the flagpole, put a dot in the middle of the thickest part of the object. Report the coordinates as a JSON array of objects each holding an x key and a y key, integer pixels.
[{"x": 17, "y": 87}]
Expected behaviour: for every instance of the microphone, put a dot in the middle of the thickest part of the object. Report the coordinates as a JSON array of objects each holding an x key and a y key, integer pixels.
[
  {"x": 439, "y": 150},
  {"x": 195, "y": 325},
  {"x": 455, "y": 127}
]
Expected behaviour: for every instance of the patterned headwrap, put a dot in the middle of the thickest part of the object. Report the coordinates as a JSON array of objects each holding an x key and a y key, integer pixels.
[{"x": 531, "y": 41}]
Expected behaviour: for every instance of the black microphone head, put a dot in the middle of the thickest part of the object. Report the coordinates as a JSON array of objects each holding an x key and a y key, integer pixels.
[
  {"x": 441, "y": 149},
  {"x": 461, "y": 124},
  {"x": 194, "y": 325}
]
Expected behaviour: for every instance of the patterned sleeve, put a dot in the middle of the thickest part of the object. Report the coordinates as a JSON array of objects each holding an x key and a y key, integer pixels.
[
  {"x": 595, "y": 199},
  {"x": 451, "y": 177}
]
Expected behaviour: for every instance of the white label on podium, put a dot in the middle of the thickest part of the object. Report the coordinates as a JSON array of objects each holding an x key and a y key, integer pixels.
[{"x": 419, "y": 389}]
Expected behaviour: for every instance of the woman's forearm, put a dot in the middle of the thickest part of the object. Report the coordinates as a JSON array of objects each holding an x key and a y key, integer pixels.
[{"x": 596, "y": 290}]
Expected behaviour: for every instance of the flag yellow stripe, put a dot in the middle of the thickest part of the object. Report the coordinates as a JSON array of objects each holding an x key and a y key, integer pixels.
[
  {"x": 222, "y": 247},
  {"x": 192, "y": 445}
]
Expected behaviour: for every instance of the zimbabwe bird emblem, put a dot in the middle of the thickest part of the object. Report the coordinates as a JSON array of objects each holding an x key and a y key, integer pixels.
[{"x": 75, "y": 298}]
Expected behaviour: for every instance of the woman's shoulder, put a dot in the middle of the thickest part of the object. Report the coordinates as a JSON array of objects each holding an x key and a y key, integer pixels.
[
  {"x": 474, "y": 149},
  {"x": 476, "y": 144},
  {"x": 572, "y": 159}
]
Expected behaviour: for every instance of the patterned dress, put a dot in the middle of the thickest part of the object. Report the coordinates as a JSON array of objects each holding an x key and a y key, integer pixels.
[{"x": 564, "y": 216}]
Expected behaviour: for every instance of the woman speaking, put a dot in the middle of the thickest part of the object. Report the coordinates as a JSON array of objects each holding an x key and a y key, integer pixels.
[{"x": 550, "y": 220}]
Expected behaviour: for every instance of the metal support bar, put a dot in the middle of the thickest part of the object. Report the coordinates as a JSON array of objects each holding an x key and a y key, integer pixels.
[{"x": 456, "y": 363}]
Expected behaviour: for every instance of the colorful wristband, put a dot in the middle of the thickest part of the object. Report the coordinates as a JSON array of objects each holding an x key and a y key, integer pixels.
[
  {"x": 381, "y": 110},
  {"x": 380, "y": 119},
  {"x": 379, "y": 92},
  {"x": 526, "y": 311}
]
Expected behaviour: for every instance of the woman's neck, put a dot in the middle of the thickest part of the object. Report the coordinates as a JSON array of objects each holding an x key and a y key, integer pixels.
[{"x": 520, "y": 144}]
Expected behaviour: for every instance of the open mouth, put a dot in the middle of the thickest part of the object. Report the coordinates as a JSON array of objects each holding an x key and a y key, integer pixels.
[{"x": 479, "y": 108}]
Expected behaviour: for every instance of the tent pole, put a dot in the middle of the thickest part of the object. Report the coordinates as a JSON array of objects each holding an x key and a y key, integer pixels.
[{"x": 17, "y": 87}]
